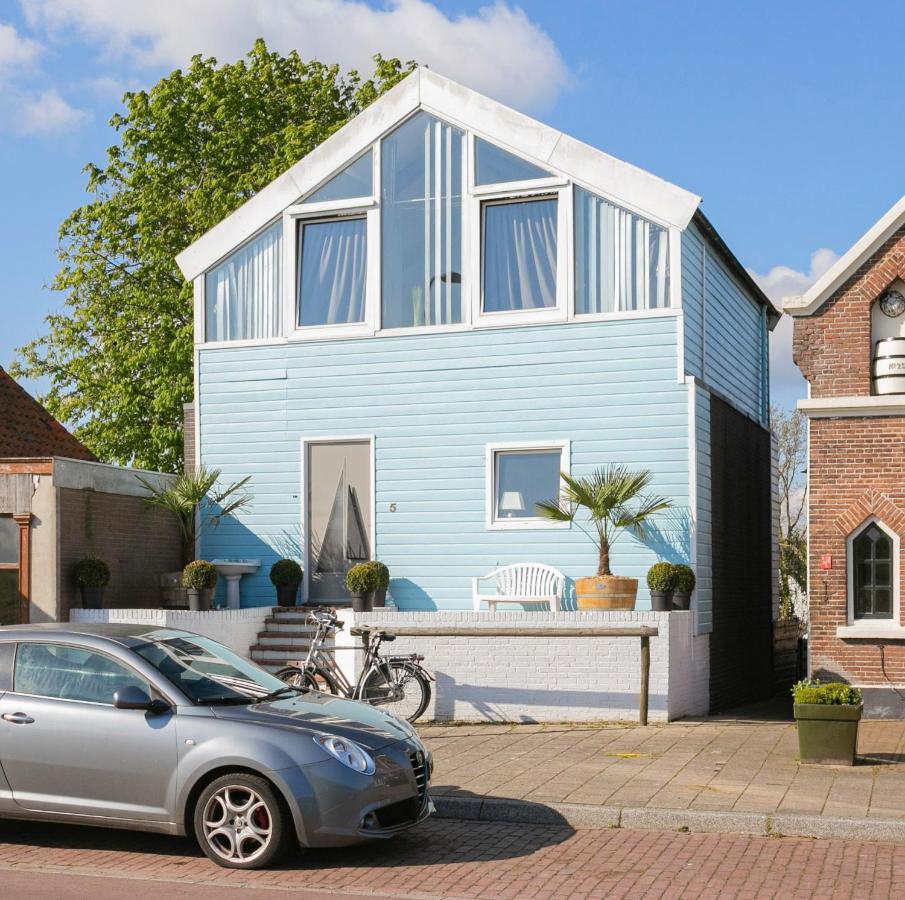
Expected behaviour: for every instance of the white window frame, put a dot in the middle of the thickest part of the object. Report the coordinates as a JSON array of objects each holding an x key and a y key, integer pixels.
[
  {"x": 871, "y": 624},
  {"x": 562, "y": 311},
  {"x": 532, "y": 522}
]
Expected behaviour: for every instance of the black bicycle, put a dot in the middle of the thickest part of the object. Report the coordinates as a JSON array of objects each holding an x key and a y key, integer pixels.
[{"x": 399, "y": 684}]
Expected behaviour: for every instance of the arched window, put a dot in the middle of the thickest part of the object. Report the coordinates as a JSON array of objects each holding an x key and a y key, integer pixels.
[{"x": 872, "y": 571}]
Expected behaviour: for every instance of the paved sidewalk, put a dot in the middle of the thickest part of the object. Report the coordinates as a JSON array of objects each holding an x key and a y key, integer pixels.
[{"x": 708, "y": 775}]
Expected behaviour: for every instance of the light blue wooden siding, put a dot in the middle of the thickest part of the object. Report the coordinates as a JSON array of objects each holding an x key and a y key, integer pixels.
[
  {"x": 703, "y": 597},
  {"x": 433, "y": 403},
  {"x": 725, "y": 331}
]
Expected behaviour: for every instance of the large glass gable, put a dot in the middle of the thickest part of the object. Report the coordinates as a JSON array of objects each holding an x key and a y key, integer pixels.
[
  {"x": 354, "y": 181},
  {"x": 493, "y": 165}
]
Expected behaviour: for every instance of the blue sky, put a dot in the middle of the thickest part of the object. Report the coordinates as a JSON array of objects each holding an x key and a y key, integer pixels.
[{"x": 782, "y": 116}]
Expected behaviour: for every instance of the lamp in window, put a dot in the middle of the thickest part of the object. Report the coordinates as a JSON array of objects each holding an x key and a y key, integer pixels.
[{"x": 512, "y": 502}]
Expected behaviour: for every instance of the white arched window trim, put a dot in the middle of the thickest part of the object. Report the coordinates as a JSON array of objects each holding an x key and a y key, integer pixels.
[{"x": 871, "y": 624}]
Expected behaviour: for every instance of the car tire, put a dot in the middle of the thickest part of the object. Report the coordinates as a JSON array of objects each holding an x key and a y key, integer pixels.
[{"x": 241, "y": 822}]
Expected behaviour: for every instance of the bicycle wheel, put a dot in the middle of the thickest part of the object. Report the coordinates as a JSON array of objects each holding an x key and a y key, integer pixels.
[
  {"x": 297, "y": 677},
  {"x": 405, "y": 695}
]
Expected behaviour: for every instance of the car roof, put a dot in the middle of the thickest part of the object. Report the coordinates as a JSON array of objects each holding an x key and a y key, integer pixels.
[{"x": 125, "y": 634}]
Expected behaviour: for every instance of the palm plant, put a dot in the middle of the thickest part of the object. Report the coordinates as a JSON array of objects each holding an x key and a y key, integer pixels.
[
  {"x": 191, "y": 491},
  {"x": 614, "y": 498}
]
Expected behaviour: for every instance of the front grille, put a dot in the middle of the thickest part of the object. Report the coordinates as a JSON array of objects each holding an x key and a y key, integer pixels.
[
  {"x": 402, "y": 813},
  {"x": 419, "y": 766}
]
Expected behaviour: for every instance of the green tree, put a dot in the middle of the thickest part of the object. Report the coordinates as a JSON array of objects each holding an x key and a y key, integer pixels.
[{"x": 190, "y": 151}]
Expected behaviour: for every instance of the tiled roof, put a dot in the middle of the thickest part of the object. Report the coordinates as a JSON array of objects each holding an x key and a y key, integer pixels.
[{"x": 28, "y": 431}]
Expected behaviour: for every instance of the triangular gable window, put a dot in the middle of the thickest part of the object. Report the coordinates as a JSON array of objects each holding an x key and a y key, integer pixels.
[
  {"x": 495, "y": 166},
  {"x": 356, "y": 180}
]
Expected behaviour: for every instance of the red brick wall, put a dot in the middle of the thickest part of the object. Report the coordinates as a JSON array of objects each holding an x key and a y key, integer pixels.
[
  {"x": 138, "y": 542},
  {"x": 832, "y": 347}
]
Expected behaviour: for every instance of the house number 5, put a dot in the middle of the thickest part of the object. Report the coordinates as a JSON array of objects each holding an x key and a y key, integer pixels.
[{"x": 392, "y": 507}]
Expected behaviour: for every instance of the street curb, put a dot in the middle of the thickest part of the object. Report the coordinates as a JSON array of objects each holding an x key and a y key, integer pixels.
[{"x": 584, "y": 815}]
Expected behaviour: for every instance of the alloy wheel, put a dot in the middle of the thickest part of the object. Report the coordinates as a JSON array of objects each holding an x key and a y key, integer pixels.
[{"x": 238, "y": 825}]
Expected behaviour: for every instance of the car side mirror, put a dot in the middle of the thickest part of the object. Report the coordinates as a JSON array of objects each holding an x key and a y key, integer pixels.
[{"x": 133, "y": 697}]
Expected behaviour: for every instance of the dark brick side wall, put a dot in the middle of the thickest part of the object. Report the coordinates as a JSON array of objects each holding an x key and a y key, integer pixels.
[
  {"x": 138, "y": 542},
  {"x": 741, "y": 644}
]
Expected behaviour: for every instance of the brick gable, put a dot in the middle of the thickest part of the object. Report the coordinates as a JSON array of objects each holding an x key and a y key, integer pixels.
[{"x": 28, "y": 431}]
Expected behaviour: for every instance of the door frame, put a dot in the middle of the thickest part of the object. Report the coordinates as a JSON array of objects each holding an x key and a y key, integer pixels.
[{"x": 303, "y": 495}]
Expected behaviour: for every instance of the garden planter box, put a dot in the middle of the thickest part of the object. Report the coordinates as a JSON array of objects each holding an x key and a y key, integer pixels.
[{"x": 827, "y": 733}]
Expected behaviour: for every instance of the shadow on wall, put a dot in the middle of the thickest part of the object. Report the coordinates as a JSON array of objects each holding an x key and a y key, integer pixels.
[
  {"x": 408, "y": 595},
  {"x": 670, "y": 537},
  {"x": 493, "y": 703}
]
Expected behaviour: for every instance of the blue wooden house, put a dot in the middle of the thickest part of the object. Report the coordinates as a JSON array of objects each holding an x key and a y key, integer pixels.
[{"x": 407, "y": 336}]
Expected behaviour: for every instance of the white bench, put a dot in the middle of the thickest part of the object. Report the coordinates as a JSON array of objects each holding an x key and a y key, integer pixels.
[{"x": 521, "y": 583}]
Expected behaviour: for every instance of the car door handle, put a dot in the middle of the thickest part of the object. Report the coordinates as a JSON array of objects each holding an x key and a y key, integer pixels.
[{"x": 17, "y": 718}]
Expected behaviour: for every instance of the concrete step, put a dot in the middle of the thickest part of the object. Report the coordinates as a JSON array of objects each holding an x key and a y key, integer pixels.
[
  {"x": 278, "y": 653},
  {"x": 272, "y": 639},
  {"x": 274, "y": 624}
]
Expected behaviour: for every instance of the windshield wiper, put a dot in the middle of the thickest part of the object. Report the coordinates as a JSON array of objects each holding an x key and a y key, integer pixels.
[
  {"x": 224, "y": 701},
  {"x": 278, "y": 693}
]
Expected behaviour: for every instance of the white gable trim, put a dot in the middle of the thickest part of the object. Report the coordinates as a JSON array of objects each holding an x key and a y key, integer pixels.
[
  {"x": 625, "y": 184},
  {"x": 846, "y": 265}
]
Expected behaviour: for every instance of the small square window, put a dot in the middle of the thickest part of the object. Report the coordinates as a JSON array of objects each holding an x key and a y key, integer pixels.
[{"x": 522, "y": 477}]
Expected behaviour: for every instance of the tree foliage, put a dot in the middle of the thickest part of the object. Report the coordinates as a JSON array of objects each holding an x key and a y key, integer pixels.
[
  {"x": 190, "y": 151},
  {"x": 790, "y": 437}
]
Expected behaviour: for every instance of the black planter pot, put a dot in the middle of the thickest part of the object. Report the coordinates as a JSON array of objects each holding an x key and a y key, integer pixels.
[
  {"x": 380, "y": 598},
  {"x": 681, "y": 599},
  {"x": 287, "y": 594},
  {"x": 661, "y": 601},
  {"x": 194, "y": 600},
  {"x": 362, "y": 602},
  {"x": 92, "y": 597}
]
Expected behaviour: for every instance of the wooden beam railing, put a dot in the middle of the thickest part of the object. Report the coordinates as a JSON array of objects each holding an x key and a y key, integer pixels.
[{"x": 644, "y": 632}]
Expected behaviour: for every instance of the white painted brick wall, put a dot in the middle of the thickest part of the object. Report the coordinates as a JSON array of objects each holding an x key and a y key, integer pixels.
[
  {"x": 235, "y": 628},
  {"x": 536, "y": 679}
]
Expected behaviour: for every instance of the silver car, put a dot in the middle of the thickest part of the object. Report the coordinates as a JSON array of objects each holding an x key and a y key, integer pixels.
[{"x": 154, "y": 729}]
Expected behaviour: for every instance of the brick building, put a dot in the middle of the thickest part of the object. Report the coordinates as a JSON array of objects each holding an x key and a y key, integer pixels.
[
  {"x": 59, "y": 505},
  {"x": 850, "y": 345}
]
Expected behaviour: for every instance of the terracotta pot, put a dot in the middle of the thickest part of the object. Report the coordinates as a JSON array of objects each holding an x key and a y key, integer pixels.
[{"x": 606, "y": 592}]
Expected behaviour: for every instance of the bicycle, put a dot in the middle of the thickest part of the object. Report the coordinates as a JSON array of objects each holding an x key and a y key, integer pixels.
[{"x": 399, "y": 684}]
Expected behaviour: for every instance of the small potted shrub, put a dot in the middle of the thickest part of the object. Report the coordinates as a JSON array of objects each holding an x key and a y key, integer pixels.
[
  {"x": 380, "y": 595},
  {"x": 286, "y": 576},
  {"x": 827, "y": 716},
  {"x": 92, "y": 575},
  {"x": 660, "y": 578},
  {"x": 683, "y": 585},
  {"x": 362, "y": 582},
  {"x": 199, "y": 578}
]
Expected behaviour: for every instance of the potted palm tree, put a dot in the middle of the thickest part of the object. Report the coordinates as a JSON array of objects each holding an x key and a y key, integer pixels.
[{"x": 615, "y": 501}]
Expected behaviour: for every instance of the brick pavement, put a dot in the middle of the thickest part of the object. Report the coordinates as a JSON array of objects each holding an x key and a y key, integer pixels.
[
  {"x": 454, "y": 859},
  {"x": 711, "y": 766}
]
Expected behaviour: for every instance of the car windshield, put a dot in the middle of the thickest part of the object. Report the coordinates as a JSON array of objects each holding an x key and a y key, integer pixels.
[{"x": 208, "y": 672}]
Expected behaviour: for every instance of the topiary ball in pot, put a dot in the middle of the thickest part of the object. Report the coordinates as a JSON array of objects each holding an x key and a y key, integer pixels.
[
  {"x": 92, "y": 575},
  {"x": 361, "y": 583},
  {"x": 660, "y": 581},
  {"x": 380, "y": 595},
  {"x": 286, "y": 576},
  {"x": 199, "y": 578},
  {"x": 683, "y": 585}
]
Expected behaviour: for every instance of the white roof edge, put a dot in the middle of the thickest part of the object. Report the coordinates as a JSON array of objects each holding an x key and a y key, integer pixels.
[
  {"x": 834, "y": 277},
  {"x": 636, "y": 188}
]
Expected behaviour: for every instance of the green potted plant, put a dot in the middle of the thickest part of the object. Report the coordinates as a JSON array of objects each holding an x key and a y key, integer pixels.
[
  {"x": 199, "y": 578},
  {"x": 827, "y": 716},
  {"x": 660, "y": 577},
  {"x": 380, "y": 595},
  {"x": 286, "y": 576},
  {"x": 615, "y": 501},
  {"x": 92, "y": 575},
  {"x": 683, "y": 585},
  {"x": 361, "y": 582}
]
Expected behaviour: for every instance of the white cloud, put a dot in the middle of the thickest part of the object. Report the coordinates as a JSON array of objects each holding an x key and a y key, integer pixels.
[
  {"x": 47, "y": 113},
  {"x": 16, "y": 50},
  {"x": 781, "y": 281},
  {"x": 498, "y": 50}
]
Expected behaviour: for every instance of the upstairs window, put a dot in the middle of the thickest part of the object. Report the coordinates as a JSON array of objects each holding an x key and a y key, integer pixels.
[
  {"x": 354, "y": 181},
  {"x": 621, "y": 260},
  {"x": 421, "y": 224},
  {"x": 332, "y": 265},
  {"x": 493, "y": 165},
  {"x": 872, "y": 573},
  {"x": 242, "y": 294},
  {"x": 519, "y": 255}
]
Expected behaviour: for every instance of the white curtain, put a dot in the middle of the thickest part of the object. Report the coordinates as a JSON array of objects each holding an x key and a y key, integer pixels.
[
  {"x": 332, "y": 270},
  {"x": 621, "y": 260},
  {"x": 520, "y": 255},
  {"x": 242, "y": 295}
]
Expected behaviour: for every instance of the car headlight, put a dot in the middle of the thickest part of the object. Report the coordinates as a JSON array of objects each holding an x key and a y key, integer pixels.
[{"x": 347, "y": 752}]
